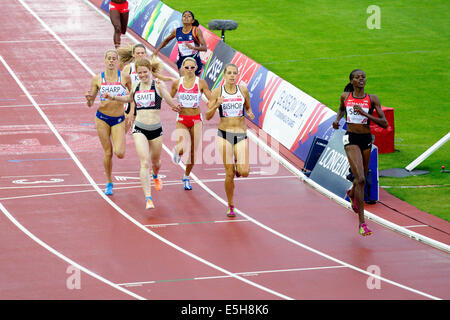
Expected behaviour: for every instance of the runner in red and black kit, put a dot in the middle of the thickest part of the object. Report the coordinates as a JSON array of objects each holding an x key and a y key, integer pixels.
[
  {"x": 190, "y": 42},
  {"x": 118, "y": 13},
  {"x": 358, "y": 107}
]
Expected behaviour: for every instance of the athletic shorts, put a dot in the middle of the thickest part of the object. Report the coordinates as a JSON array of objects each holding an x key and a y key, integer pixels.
[
  {"x": 189, "y": 121},
  {"x": 121, "y": 7},
  {"x": 232, "y": 137},
  {"x": 197, "y": 59},
  {"x": 150, "y": 131},
  {"x": 363, "y": 140},
  {"x": 111, "y": 121}
]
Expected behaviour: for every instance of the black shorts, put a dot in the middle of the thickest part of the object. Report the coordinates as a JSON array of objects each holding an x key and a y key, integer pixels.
[
  {"x": 362, "y": 140},
  {"x": 232, "y": 137},
  {"x": 149, "y": 131}
]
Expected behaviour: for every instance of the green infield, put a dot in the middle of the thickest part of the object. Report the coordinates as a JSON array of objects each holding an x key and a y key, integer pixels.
[{"x": 403, "y": 46}]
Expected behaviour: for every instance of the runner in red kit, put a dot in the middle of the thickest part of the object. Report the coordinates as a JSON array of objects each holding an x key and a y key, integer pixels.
[
  {"x": 118, "y": 13},
  {"x": 358, "y": 107},
  {"x": 189, "y": 120}
]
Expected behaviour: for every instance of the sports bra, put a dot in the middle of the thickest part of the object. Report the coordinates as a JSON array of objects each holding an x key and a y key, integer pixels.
[
  {"x": 113, "y": 88},
  {"x": 189, "y": 98},
  {"x": 233, "y": 104},
  {"x": 147, "y": 99},
  {"x": 365, "y": 104}
]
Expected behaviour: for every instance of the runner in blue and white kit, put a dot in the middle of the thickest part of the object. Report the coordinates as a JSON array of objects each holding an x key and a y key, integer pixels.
[
  {"x": 190, "y": 41},
  {"x": 110, "y": 117}
]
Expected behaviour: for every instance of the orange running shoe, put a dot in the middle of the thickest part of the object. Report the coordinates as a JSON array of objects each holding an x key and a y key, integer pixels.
[{"x": 158, "y": 183}]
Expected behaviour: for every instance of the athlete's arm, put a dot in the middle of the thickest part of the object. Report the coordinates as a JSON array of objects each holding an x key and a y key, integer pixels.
[
  {"x": 341, "y": 111},
  {"x": 247, "y": 106},
  {"x": 213, "y": 103},
  {"x": 92, "y": 93},
  {"x": 161, "y": 87}
]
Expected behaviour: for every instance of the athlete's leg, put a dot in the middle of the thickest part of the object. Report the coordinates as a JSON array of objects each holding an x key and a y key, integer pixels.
[
  {"x": 124, "y": 22},
  {"x": 155, "y": 150},
  {"x": 104, "y": 134},
  {"x": 195, "y": 133},
  {"x": 114, "y": 15},
  {"x": 226, "y": 150},
  {"x": 241, "y": 155},
  {"x": 143, "y": 151},
  {"x": 181, "y": 136},
  {"x": 355, "y": 160},
  {"x": 118, "y": 136}
]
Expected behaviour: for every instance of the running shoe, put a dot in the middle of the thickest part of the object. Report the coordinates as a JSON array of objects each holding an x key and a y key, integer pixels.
[
  {"x": 187, "y": 184},
  {"x": 149, "y": 203},
  {"x": 230, "y": 212},
  {"x": 352, "y": 201},
  {"x": 158, "y": 183},
  {"x": 109, "y": 188},
  {"x": 175, "y": 156},
  {"x": 363, "y": 230}
]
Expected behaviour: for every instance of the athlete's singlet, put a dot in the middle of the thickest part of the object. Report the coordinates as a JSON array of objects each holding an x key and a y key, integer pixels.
[
  {"x": 189, "y": 98},
  {"x": 147, "y": 99},
  {"x": 353, "y": 117},
  {"x": 233, "y": 104},
  {"x": 113, "y": 88},
  {"x": 184, "y": 38}
]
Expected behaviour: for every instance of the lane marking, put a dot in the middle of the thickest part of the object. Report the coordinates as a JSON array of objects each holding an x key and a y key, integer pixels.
[
  {"x": 163, "y": 225},
  {"x": 244, "y": 274},
  {"x": 43, "y": 104},
  {"x": 63, "y": 257},
  {"x": 91, "y": 180},
  {"x": 206, "y": 188}
]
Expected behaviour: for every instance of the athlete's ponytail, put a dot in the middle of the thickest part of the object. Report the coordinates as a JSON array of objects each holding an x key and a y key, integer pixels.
[{"x": 349, "y": 86}]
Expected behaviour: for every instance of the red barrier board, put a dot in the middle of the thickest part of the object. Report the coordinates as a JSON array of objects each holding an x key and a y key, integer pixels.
[{"x": 384, "y": 138}]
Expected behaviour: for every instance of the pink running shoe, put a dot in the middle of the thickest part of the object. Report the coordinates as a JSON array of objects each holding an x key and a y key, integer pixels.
[
  {"x": 363, "y": 230},
  {"x": 352, "y": 201},
  {"x": 230, "y": 212}
]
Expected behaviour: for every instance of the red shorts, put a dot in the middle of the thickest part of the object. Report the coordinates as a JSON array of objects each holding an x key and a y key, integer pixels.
[
  {"x": 189, "y": 121},
  {"x": 121, "y": 7}
]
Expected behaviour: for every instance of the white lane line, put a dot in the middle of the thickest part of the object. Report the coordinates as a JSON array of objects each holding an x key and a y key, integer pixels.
[
  {"x": 163, "y": 225},
  {"x": 63, "y": 257},
  {"x": 244, "y": 274},
  {"x": 94, "y": 185},
  {"x": 43, "y": 104},
  {"x": 212, "y": 193},
  {"x": 417, "y": 226},
  {"x": 166, "y": 182}
]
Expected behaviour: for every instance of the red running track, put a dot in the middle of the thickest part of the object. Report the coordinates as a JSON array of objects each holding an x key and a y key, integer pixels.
[{"x": 288, "y": 242}]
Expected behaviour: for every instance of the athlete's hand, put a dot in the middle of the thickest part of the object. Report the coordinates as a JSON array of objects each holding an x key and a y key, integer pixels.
[
  {"x": 106, "y": 95},
  {"x": 336, "y": 125},
  {"x": 129, "y": 120},
  {"x": 251, "y": 116},
  {"x": 89, "y": 98},
  {"x": 358, "y": 109},
  {"x": 219, "y": 101},
  {"x": 176, "y": 108}
]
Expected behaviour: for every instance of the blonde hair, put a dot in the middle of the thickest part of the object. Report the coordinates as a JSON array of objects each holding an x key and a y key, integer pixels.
[
  {"x": 155, "y": 66},
  {"x": 126, "y": 53},
  {"x": 109, "y": 51},
  {"x": 188, "y": 59}
]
